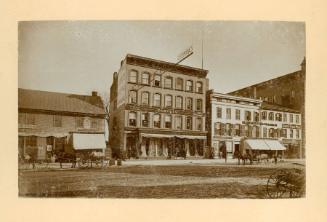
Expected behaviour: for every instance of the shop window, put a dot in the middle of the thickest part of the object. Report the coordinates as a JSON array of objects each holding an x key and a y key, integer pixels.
[
  {"x": 247, "y": 116},
  {"x": 145, "y": 78},
  {"x": 157, "y": 100},
  {"x": 228, "y": 113},
  {"x": 133, "y": 76},
  {"x": 168, "y": 101},
  {"x": 271, "y": 116},
  {"x": 179, "y": 102},
  {"x": 199, "y": 87},
  {"x": 132, "y": 98},
  {"x": 199, "y": 123},
  {"x": 189, "y": 123},
  {"x": 189, "y": 103},
  {"x": 285, "y": 117},
  {"x": 219, "y": 112},
  {"x": 57, "y": 121},
  {"x": 189, "y": 85},
  {"x": 157, "y": 80},
  {"x": 199, "y": 104},
  {"x": 132, "y": 119},
  {"x": 145, "y": 98},
  {"x": 168, "y": 121},
  {"x": 178, "y": 122},
  {"x": 179, "y": 84},
  {"x": 79, "y": 122},
  {"x": 145, "y": 119},
  {"x": 238, "y": 114},
  {"x": 264, "y": 115},
  {"x": 168, "y": 82},
  {"x": 156, "y": 120}
]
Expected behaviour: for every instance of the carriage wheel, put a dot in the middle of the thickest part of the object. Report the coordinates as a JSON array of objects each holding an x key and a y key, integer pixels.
[{"x": 277, "y": 187}]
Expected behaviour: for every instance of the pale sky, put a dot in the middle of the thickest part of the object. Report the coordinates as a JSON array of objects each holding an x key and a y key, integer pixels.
[{"x": 80, "y": 56}]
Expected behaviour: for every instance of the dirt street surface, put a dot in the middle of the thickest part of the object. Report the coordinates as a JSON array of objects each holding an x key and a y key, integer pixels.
[{"x": 155, "y": 181}]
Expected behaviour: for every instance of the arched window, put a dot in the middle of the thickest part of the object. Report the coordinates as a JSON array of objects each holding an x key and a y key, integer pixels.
[
  {"x": 132, "y": 96},
  {"x": 132, "y": 119},
  {"x": 168, "y": 101},
  {"x": 199, "y": 87},
  {"x": 133, "y": 76},
  {"x": 145, "y": 78},
  {"x": 157, "y": 100},
  {"x": 156, "y": 120},
  {"x": 145, "y": 98},
  {"x": 189, "y": 85},
  {"x": 179, "y": 84},
  {"x": 179, "y": 102}
]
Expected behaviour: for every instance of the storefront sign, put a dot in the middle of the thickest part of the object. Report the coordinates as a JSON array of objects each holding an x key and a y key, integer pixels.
[
  {"x": 291, "y": 126},
  {"x": 258, "y": 123},
  {"x": 185, "y": 54}
]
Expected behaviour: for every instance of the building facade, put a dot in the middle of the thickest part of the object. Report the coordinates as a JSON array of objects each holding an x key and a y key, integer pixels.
[
  {"x": 50, "y": 123},
  {"x": 157, "y": 109},
  {"x": 287, "y": 91},
  {"x": 231, "y": 118}
]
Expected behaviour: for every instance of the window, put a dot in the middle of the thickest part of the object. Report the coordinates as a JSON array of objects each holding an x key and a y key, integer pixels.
[
  {"x": 237, "y": 129},
  {"x": 168, "y": 82},
  {"x": 238, "y": 114},
  {"x": 94, "y": 123},
  {"x": 271, "y": 132},
  {"x": 284, "y": 133},
  {"x": 179, "y": 84},
  {"x": 157, "y": 100},
  {"x": 132, "y": 119},
  {"x": 168, "y": 101},
  {"x": 199, "y": 123},
  {"x": 297, "y": 134},
  {"x": 189, "y": 85},
  {"x": 145, "y": 98},
  {"x": 271, "y": 116},
  {"x": 199, "y": 104},
  {"x": 199, "y": 88},
  {"x": 133, "y": 76},
  {"x": 264, "y": 115},
  {"x": 57, "y": 121},
  {"x": 132, "y": 96},
  {"x": 79, "y": 122},
  {"x": 157, "y": 80},
  {"x": 178, "y": 122},
  {"x": 264, "y": 132},
  {"x": 222, "y": 129},
  {"x": 145, "y": 78},
  {"x": 297, "y": 118},
  {"x": 291, "y": 118},
  {"x": 284, "y": 117},
  {"x": 291, "y": 133},
  {"x": 179, "y": 102},
  {"x": 189, "y": 103},
  {"x": 156, "y": 120},
  {"x": 247, "y": 116},
  {"x": 228, "y": 113},
  {"x": 168, "y": 121},
  {"x": 217, "y": 128},
  {"x": 31, "y": 141},
  {"x": 246, "y": 131},
  {"x": 257, "y": 131},
  {"x": 278, "y": 117},
  {"x": 256, "y": 116},
  {"x": 189, "y": 122},
  {"x": 228, "y": 129},
  {"x": 145, "y": 119},
  {"x": 219, "y": 112}
]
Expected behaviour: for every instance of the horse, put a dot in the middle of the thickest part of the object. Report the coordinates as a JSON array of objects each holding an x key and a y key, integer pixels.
[{"x": 244, "y": 157}]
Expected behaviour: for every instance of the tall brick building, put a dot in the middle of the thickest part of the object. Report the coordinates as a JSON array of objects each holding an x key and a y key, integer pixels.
[
  {"x": 157, "y": 109},
  {"x": 51, "y": 122},
  {"x": 287, "y": 90}
]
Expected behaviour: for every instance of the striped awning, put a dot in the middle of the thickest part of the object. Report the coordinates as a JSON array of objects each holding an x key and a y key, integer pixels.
[{"x": 260, "y": 144}]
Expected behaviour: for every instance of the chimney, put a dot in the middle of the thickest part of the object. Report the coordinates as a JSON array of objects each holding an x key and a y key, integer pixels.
[{"x": 94, "y": 93}]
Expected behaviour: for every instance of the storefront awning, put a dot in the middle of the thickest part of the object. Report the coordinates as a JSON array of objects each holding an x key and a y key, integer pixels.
[
  {"x": 258, "y": 144},
  {"x": 57, "y": 135},
  {"x": 275, "y": 145},
  {"x": 152, "y": 135},
  {"x": 82, "y": 141}
]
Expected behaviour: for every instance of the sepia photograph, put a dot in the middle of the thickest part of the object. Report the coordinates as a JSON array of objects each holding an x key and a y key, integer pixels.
[{"x": 162, "y": 109}]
